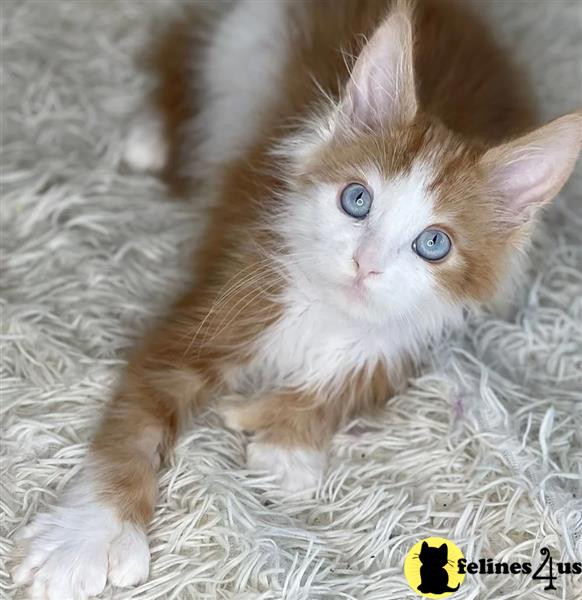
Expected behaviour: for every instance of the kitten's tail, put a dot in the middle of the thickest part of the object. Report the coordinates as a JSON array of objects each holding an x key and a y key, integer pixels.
[{"x": 159, "y": 137}]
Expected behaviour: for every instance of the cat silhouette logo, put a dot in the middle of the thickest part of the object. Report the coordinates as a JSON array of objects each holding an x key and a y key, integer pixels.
[{"x": 430, "y": 567}]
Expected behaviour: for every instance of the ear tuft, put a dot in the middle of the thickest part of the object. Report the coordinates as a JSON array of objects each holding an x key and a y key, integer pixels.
[
  {"x": 530, "y": 171},
  {"x": 382, "y": 88}
]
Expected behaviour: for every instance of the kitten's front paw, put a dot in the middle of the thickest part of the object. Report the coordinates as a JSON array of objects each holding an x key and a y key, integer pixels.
[
  {"x": 73, "y": 550},
  {"x": 296, "y": 470}
]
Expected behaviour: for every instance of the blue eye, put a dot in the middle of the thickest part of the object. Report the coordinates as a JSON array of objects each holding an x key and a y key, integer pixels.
[
  {"x": 356, "y": 200},
  {"x": 432, "y": 245}
]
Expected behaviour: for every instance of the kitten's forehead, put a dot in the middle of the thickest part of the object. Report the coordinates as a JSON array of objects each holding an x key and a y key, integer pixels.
[
  {"x": 392, "y": 152},
  {"x": 403, "y": 203}
]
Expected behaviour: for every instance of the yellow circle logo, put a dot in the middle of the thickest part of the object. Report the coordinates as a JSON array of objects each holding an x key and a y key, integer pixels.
[{"x": 431, "y": 568}]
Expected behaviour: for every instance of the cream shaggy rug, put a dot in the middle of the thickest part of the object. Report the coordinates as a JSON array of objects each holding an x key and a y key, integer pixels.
[{"x": 485, "y": 449}]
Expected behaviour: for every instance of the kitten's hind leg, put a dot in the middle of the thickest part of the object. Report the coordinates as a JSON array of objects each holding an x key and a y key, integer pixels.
[
  {"x": 146, "y": 145},
  {"x": 161, "y": 138}
]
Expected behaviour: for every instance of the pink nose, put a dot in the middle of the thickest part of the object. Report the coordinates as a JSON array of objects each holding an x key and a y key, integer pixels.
[{"x": 365, "y": 269}]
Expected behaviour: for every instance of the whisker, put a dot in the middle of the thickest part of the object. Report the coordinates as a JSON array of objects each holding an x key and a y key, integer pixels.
[
  {"x": 254, "y": 295},
  {"x": 272, "y": 266},
  {"x": 250, "y": 280}
]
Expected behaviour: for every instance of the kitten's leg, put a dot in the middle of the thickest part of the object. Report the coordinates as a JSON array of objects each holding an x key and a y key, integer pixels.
[
  {"x": 291, "y": 435},
  {"x": 98, "y": 532}
]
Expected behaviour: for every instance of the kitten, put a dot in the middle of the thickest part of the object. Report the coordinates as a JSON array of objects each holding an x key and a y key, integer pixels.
[{"x": 358, "y": 212}]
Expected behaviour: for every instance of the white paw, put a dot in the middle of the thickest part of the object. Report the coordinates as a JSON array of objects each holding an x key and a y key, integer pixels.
[
  {"x": 146, "y": 148},
  {"x": 296, "y": 470},
  {"x": 129, "y": 557},
  {"x": 72, "y": 550}
]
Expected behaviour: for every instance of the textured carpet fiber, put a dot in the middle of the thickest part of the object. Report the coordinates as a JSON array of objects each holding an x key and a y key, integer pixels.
[{"x": 484, "y": 449}]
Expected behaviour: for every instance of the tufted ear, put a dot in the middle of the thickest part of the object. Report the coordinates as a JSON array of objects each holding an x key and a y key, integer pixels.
[
  {"x": 530, "y": 171},
  {"x": 382, "y": 88}
]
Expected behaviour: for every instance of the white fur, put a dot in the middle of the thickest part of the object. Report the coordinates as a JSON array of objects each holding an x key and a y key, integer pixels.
[
  {"x": 76, "y": 547},
  {"x": 240, "y": 75},
  {"x": 145, "y": 147},
  {"x": 295, "y": 470}
]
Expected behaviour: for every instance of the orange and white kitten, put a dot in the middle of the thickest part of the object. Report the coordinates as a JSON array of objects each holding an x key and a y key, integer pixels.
[{"x": 374, "y": 173}]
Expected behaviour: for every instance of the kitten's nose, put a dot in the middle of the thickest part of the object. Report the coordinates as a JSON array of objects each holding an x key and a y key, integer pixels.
[{"x": 365, "y": 268}]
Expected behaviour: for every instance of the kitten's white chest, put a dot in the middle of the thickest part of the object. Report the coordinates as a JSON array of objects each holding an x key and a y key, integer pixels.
[{"x": 314, "y": 345}]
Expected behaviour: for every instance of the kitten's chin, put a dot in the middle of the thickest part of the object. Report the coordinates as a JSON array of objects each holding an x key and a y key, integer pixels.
[
  {"x": 359, "y": 303},
  {"x": 356, "y": 300}
]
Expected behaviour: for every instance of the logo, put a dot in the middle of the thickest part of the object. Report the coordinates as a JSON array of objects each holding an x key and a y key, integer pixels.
[
  {"x": 436, "y": 568},
  {"x": 430, "y": 567}
]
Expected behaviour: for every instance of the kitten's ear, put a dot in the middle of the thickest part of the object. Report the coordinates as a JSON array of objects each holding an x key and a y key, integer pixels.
[
  {"x": 528, "y": 172},
  {"x": 424, "y": 547},
  {"x": 381, "y": 88},
  {"x": 443, "y": 549}
]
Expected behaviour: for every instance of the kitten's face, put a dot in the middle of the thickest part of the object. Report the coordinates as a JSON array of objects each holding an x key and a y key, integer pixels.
[{"x": 419, "y": 178}]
